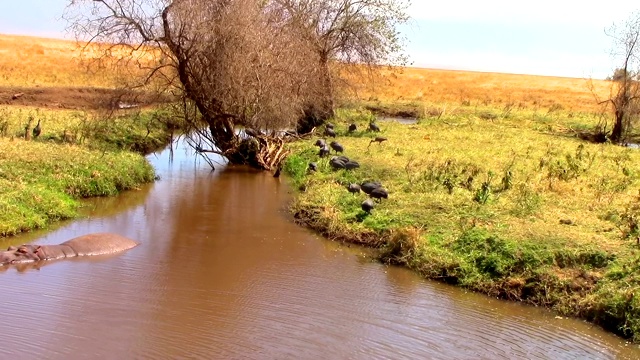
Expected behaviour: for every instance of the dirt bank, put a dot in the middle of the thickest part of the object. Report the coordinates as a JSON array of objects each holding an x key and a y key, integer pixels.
[{"x": 75, "y": 97}]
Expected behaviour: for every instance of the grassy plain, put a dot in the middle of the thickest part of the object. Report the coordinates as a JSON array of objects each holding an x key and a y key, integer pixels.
[
  {"x": 426, "y": 91},
  {"x": 84, "y": 149},
  {"x": 43, "y": 62},
  {"x": 41, "y": 182},
  {"x": 502, "y": 198},
  {"x": 32, "y": 61}
]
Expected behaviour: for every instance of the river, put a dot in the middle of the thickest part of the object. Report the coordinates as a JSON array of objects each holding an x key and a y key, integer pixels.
[{"x": 222, "y": 272}]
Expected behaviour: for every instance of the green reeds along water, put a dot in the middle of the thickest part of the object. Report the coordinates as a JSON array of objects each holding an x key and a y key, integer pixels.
[
  {"x": 513, "y": 205},
  {"x": 140, "y": 130},
  {"x": 42, "y": 182},
  {"x": 77, "y": 155}
]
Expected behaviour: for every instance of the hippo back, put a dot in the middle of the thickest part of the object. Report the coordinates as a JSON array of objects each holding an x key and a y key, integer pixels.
[{"x": 100, "y": 244}]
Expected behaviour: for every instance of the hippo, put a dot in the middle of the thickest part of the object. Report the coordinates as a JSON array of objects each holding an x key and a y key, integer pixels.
[{"x": 85, "y": 245}]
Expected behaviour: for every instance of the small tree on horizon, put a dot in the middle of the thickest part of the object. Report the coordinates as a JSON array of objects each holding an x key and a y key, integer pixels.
[
  {"x": 624, "y": 95},
  {"x": 619, "y": 75}
]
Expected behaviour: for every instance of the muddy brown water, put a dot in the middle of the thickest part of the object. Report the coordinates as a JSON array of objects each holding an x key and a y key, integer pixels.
[{"x": 223, "y": 273}]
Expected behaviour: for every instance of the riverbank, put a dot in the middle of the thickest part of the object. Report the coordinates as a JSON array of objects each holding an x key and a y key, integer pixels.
[
  {"x": 78, "y": 154},
  {"x": 42, "y": 182},
  {"x": 509, "y": 203}
]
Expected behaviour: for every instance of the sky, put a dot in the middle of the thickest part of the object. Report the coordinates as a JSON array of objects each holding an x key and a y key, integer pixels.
[{"x": 542, "y": 37}]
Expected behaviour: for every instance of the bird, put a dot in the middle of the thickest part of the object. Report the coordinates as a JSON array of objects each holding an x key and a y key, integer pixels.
[
  {"x": 353, "y": 127},
  {"x": 329, "y": 132},
  {"x": 37, "y": 130},
  {"x": 351, "y": 164},
  {"x": 313, "y": 166},
  {"x": 336, "y": 147},
  {"x": 324, "y": 151},
  {"x": 369, "y": 186},
  {"x": 329, "y": 125},
  {"x": 320, "y": 143},
  {"x": 353, "y": 188},
  {"x": 378, "y": 139},
  {"x": 374, "y": 127},
  {"x": 337, "y": 163},
  {"x": 379, "y": 193},
  {"x": 367, "y": 206}
]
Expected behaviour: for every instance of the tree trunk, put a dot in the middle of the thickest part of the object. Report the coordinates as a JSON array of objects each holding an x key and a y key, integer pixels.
[
  {"x": 318, "y": 112},
  {"x": 327, "y": 88},
  {"x": 618, "y": 127}
]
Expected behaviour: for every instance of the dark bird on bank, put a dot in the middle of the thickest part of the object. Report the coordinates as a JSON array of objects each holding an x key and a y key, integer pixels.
[
  {"x": 351, "y": 164},
  {"x": 369, "y": 186},
  {"x": 353, "y": 127},
  {"x": 320, "y": 143},
  {"x": 329, "y": 132},
  {"x": 337, "y": 163},
  {"x": 378, "y": 139},
  {"x": 251, "y": 132},
  {"x": 367, "y": 206},
  {"x": 313, "y": 166},
  {"x": 329, "y": 125},
  {"x": 353, "y": 188},
  {"x": 37, "y": 130},
  {"x": 379, "y": 193},
  {"x": 336, "y": 147},
  {"x": 374, "y": 127},
  {"x": 324, "y": 151}
]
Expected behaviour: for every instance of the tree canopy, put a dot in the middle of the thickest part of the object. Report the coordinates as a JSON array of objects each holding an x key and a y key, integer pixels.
[{"x": 259, "y": 65}]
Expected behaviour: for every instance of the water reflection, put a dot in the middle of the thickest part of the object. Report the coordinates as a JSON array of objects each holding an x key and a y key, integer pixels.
[{"x": 222, "y": 272}]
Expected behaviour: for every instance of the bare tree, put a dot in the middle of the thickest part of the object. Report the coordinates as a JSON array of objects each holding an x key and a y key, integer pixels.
[
  {"x": 362, "y": 32},
  {"x": 625, "y": 90},
  {"x": 232, "y": 63},
  {"x": 260, "y": 65}
]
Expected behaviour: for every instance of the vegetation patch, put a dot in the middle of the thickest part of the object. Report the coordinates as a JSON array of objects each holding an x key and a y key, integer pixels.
[
  {"x": 41, "y": 182},
  {"x": 141, "y": 131},
  {"x": 513, "y": 205}
]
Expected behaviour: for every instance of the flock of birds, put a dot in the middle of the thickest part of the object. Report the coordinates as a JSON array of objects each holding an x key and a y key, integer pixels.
[{"x": 373, "y": 189}]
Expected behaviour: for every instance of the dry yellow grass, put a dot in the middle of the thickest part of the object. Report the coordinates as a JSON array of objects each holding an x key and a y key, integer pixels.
[
  {"x": 453, "y": 87},
  {"x": 32, "y": 61}
]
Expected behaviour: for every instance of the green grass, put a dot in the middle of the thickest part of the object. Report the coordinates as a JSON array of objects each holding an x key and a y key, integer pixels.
[
  {"x": 77, "y": 155},
  {"x": 41, "y": 182},
  {"x": 508, "y": 202},
  {"x": 141, "y": 131}
]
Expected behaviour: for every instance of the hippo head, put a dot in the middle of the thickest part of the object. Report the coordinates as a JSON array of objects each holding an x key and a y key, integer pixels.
[
  {"x": 7, "y": 257},
  {"x": 21, "y": 254}
]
